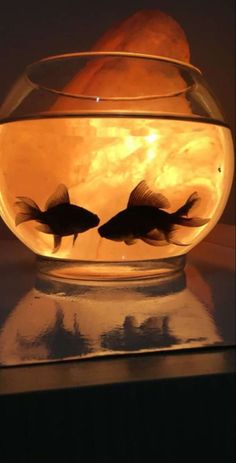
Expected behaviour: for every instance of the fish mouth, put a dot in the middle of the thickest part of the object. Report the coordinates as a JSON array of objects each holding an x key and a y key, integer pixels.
[
  {"x": 96, "y": 220},
  {"x": 102, "y": 232},
  {"x": 109, "y": 234}
]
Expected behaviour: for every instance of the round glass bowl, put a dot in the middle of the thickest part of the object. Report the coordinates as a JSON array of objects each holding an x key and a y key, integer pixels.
[{"x": 112, "y": 165}]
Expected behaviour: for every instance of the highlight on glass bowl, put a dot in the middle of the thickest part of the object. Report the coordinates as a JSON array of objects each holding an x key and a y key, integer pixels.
[{"x": 112, "y": 164}]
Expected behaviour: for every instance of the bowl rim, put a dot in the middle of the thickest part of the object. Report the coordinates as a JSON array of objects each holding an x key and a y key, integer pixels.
[
  {"x": 101, "y": 54},
  {"x": 124, "y": 54}
]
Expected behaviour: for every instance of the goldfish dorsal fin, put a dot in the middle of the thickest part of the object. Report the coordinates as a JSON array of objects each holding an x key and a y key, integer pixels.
[
  {"x": 143, "y": 196},
  {"x": 60, "y": 196}
]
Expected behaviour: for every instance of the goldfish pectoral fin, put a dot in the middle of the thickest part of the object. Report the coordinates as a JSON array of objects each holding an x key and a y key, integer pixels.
[
  {"x": 75, "y": 238},
  {"x": 142, "y": 195},
  {"x": 154, "y": 238},
  {"x": 130, "y": 241},
  {"x": 57, "y": 243},
  {"x": 44, "y": 228},
  {"x": 60, "y": 196},
  {"x": 156, "y": 235}
]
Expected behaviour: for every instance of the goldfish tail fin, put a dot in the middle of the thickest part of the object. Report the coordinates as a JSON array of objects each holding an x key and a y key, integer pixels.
[
  {"x": 180, "y": 216},
  {"x": 28, "y": 210},
  {"x": 178, "y": 243},
  {"x": 192, "y": 222},
  {"x": 191, "y": 201}
]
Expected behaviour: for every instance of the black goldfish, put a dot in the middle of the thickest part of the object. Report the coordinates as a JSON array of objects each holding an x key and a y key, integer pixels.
[
  {"x": 144, "y": 219},
  {"x": 59, "y": 219}
]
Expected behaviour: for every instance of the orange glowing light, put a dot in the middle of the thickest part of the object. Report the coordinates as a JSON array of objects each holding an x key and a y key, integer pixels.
[{"x": 102, "y": 159}]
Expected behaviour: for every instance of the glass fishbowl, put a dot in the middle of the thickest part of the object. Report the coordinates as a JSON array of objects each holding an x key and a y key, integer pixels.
[{"x": 113, "y": 165}]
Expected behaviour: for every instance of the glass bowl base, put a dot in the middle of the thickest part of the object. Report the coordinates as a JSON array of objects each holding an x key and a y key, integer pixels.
[{"x": 109, "y": 271}]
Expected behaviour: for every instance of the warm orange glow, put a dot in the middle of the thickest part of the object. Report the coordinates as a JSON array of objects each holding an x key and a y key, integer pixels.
[
  {"x": 101, "y": 160},
  {"x": 147, "y": 31}
]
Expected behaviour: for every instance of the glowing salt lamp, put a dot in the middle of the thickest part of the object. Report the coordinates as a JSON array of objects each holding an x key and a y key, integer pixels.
[
  {"x": 147, "y": 31},
  {"x": 133, "y": 143}
]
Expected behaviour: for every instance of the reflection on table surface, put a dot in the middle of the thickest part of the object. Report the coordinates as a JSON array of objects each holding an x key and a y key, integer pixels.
[{"x": 45, "y": 319}]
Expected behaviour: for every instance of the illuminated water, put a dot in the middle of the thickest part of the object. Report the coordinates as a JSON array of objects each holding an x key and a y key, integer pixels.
[{"x": 101, "y": 160}]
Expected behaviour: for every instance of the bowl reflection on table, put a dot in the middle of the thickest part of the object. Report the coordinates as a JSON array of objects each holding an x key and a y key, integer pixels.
[{"x": 52, "y": 322}]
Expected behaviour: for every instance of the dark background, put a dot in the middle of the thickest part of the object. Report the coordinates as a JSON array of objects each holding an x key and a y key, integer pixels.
[{"x": 30, "y": 30}]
